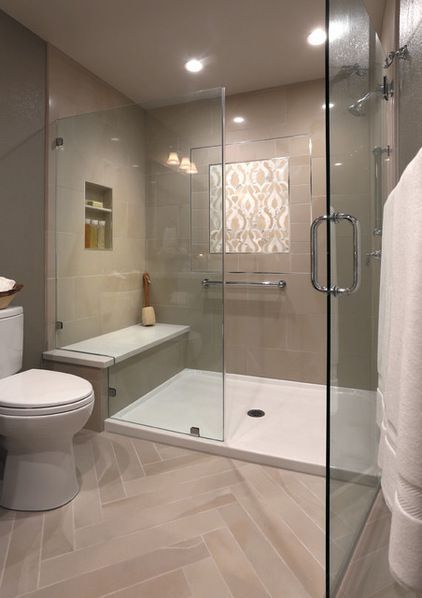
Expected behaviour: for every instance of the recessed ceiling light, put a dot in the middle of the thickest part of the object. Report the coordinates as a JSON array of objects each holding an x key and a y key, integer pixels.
[
  {"x": 238, "y": 120},
  {"x": 135, "y": 165},
  {"x": 115, "y": 138},
  {"x": 194, "y": 65},
  {"x": 338, "y": 163},
  {"x": 317, "y": 37},
  {"x": 330, "y": 105}
]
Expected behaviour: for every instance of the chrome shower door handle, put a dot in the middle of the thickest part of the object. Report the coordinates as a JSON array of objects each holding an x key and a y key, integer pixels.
[
  {"x": 314, "y": 253},
  {"x": 335, "y": 218}
]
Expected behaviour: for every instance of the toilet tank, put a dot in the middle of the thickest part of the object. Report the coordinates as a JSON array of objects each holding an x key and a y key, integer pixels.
[{"x": 11, "y": 340}]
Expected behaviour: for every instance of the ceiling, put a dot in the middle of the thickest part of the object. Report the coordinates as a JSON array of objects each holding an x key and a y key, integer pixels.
[{"x": 140, "y": 46}]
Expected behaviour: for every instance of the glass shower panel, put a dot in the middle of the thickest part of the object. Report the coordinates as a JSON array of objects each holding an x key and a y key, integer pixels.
[
  {"x": 178, "y": 385},
  {"x": 100, "y": 225},
  {"x": 125, "y": 182},
  {"x": 357, "y": 159}
]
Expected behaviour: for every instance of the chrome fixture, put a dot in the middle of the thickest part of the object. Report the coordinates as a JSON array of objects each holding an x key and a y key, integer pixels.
[
  {"x": 384, "y": 90},
  {"x": 335, "y": 218},
  {"x": 402, "y": 54},
  {"x": 378, "y": 152},
  {"x": 281, "y": 284},
  {"x": 348, "y": 70},
  {"x": 375, "y": 254}
]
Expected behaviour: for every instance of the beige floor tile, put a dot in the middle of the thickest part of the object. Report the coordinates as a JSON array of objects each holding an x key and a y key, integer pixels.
[
  {"x": 7, "y": 519},
  {"x": 170, "y": 585},
  {"x": 86, "y": 506},
  {"x": 379, "y": 508},
  {"x": 293, "y": 552},
  {"x": 58, "y": 532},
  {"x": 276, "y": 576},
  {"x": 21, "y": 570},
  {"x": 129, "y": 546},
  {"x": 375, "y": 535},
  {"x": 395, "y": 591},
  {"x": 138, "y": 525},
  {"x": 172, "y": 493},
  {"x": 315, "y": 484},
  {"x": 234, "y": 566},
  {"x": 367, "y": 576},
  {"x": 279, "y": 502},
  {"x": 205, "y": 580},
  {"x": 170, "y": 464},
  {"x": 170, "y": 452},
  {"x": 128, "y": 462},
  {"x": 291, "y": 483},
  {"x": 146, "y": 451},
  {"x": 125, "y": 523},
  {"x": 126, "y": 574},
  {"x": 108, "y": 474},
  {"x": 210, "y": 466}
]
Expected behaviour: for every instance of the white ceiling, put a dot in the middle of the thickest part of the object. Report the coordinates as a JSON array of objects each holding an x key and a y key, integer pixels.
[{"x": 140, "y": 46}]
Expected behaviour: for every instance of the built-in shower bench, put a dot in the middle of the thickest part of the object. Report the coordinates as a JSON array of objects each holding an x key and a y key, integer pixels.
[{"x": 93, "y": 358}]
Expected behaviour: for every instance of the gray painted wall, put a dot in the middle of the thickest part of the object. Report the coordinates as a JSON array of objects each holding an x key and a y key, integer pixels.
[{"x": 22, "y": 173}]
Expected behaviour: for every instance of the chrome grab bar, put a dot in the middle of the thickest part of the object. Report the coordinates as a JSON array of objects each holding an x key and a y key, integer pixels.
[
  {"x": 336, "y": 217},
  {"x": 281, "y": 284},
  {"x": 378, "y": 154}
]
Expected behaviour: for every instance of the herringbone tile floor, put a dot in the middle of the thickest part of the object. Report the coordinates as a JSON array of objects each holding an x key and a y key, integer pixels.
[{"x": 158, "y": 521}]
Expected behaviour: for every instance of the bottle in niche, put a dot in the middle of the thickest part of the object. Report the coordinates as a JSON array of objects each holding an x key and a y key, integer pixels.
[
  {"x": 101, "y": 234},
  {"x": 94, "y": 234},
  {"x": 87, "y": 233}
]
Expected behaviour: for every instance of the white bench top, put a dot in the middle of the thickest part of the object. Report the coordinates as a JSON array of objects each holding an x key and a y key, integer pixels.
[{"x": 119, "y": 345}]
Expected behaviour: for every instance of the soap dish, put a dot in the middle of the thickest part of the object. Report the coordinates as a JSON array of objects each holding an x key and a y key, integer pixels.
[{"x": 6, "y": 297}]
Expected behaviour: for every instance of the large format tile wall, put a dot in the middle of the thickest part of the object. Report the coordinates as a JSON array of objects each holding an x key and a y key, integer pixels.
[
  {"x": 96, "y": 291},
  {"x": 177, "y": 293},
  {"x": 272, "y": 333}
]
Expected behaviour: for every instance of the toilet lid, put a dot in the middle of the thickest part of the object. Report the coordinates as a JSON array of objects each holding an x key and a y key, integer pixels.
[{"x": 42, "y": 388}]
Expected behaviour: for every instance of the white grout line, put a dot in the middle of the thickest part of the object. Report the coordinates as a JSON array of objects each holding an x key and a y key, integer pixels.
[
  {"x": 6, "y": 556},
  {"x": 275, "y": 548},
  {"x": 295, "y": 501},
  {"x": 40, "y": 550}
]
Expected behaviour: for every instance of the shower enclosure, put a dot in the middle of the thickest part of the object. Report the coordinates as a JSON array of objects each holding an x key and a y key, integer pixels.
[
  {"x": 261, "y": 350},
  {"x": 358, "y": 165}
]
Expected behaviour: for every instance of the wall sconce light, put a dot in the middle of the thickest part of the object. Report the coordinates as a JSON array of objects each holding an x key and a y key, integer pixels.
[
  {"x": 185, "y": 164},
  {"x": 192, "y": 169},
  {"x": 173, "y": 159}
]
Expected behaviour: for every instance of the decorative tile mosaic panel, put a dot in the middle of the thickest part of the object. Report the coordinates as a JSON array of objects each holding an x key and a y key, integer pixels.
[{"x": 257, "y": 207}]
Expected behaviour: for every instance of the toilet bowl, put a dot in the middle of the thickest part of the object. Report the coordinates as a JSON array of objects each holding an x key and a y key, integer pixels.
[{"x": 40, "y": 412}]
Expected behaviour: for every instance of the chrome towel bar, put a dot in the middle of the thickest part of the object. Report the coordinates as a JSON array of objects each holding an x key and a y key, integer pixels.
[{"x": 280, "y": 284}]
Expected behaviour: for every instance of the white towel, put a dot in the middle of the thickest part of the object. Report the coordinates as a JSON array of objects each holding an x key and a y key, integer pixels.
[
  {"x": 6, "y": 284},
  {"x": 400, "y": 373}
]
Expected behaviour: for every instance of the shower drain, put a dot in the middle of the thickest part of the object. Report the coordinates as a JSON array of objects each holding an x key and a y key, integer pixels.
[{"x": 256, "y": 413}]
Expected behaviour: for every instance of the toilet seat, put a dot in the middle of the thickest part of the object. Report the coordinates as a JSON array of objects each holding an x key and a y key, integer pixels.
[{"x": 43, "y": 392}]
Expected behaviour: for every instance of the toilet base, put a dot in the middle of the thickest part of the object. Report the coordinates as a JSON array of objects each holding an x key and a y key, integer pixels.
[{"x": 39, "y": 480}]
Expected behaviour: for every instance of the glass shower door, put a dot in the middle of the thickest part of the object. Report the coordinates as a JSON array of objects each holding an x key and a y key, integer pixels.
[{"x": 357, "y": 94}]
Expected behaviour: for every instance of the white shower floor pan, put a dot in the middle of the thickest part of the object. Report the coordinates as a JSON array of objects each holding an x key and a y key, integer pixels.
[{"x": 290, "y": 435}]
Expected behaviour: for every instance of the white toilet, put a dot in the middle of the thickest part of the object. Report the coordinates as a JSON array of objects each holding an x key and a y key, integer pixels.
[{"x": 40, "y": 412}]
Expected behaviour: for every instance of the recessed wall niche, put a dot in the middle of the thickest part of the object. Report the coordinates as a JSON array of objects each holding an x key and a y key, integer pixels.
[{"x": 98, "y": 217}]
